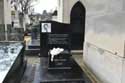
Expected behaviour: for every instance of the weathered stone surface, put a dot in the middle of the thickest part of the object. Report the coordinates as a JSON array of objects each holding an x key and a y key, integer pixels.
[
  {"x": 107, "y": 66},
  {"x": 105, "y": 30}
]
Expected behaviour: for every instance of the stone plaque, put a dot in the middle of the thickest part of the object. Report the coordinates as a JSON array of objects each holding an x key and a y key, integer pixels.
[{"x": 58, "y": 39}]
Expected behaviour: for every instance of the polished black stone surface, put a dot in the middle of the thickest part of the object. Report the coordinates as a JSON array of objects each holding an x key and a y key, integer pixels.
[
  {"x": 76, "y": 31},
  {"x": 34, "y": 44},
  {"x": 61, "y": 61},
  {"x": 74, "y": 75},
  {"x": 33, "y": 47}
]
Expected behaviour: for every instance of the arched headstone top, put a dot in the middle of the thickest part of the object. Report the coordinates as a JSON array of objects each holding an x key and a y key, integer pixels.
[
  {"x": 79, "y": 3},
  {"x": 78, "y": 9}
]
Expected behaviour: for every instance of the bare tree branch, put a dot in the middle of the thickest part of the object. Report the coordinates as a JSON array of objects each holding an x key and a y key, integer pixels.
[{"x": 23, "y": 5}]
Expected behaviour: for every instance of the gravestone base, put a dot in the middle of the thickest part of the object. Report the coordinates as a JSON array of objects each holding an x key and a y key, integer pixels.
[
  {"x": 33, "y": 47},
  {"x": 75, "y": 75}
]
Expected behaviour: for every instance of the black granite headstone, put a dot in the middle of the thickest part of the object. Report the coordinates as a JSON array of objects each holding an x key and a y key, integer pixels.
[
  {"x": 62, "y": 60},
  {"x": 69, "y": 37},
  {"x": 76, "y": 34},
  {"x": 53, "y": 28}
]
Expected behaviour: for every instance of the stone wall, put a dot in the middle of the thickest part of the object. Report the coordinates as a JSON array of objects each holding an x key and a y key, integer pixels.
[
  {"x": 60, "y": 11},
  {"x": 1, "y": 12},
  {"x": 93, "y": 7},
  {"x": 105, "y": 40},
  {"x": 64, "y": 9},
  {"x": 104, "y": 46},
  {"x": 7, "y": 12},
  {"x": 107, "y": 66}
]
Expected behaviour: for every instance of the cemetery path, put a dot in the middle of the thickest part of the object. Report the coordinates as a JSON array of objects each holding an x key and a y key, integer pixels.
[{"x": 32, "y": 61}]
